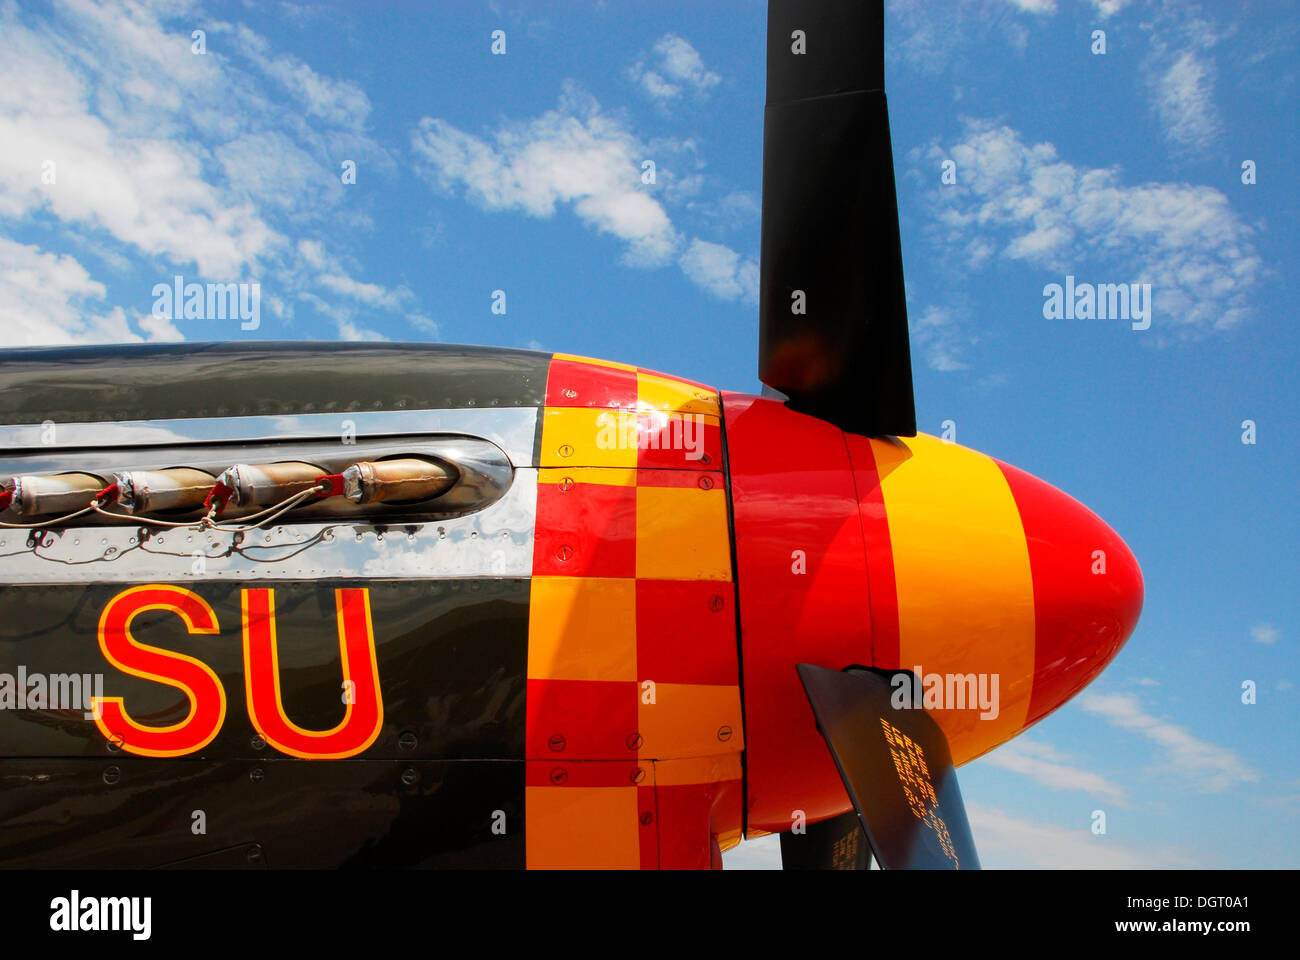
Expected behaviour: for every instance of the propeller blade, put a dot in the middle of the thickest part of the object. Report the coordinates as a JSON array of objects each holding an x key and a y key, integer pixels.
[
  {"x": 834, "y": 844},
  {"x": 897, "y": 768},
  {"x": 832, "y": 314}
]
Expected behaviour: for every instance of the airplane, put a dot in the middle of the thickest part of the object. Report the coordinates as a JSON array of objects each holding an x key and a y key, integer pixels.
[{"x": 326, "y": 605}]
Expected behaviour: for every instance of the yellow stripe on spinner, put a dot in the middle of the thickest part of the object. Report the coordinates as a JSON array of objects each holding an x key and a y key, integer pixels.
[{"x": 965, "y": 591}]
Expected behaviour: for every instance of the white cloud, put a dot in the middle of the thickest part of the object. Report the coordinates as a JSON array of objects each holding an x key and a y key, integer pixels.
[
  {"x": 574, "y": 156},
  {"x": 721, "y": 271},
  {"x": 578, "y": 157},
  {"x": 1034, "y": 6},
  {"x": 1184, "y": 100},
  {"x": 676, "y": 66},
  {"x": 1108, "y": 8},
  {"x": 368, "y": 293},
  {"x": 1205, "y": 766},
  {"x": 351, "y": 331},
  {"x": 163, "y": 157},
  {"x": 937, "y": 334},
  {"x": 46, "y": 298},
  {"x": 1023, "y": 202},
  {"x": 1043, "y": 764},
  {"x": 1181, "y": 74},
  {"x": 340, "y": 102},
  {"x": 1264, "y": 633},
  {"x": 1007, "y": 841}
]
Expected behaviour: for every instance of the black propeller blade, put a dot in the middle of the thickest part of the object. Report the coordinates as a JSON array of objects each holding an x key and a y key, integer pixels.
[
  {"x": 832, "y": 315},
  {"x": 897, "y": 769},
  {"x": 834, "y": 844}
]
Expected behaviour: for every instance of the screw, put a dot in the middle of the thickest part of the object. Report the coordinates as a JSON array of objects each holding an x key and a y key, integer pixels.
[
  {"x": 563, "y": 553},
  {"x": 556, "y": 743},
  {"x": 115, "y": 742},
  {"x": 570, "y": 392},
  {"x": 706, "y": 483},
  {"x": 112, "y": 775},
  {"x": 715, "y": 603},
  {"x": 724, "y": 733},
  {"x": 566, "y": 484},
  {"x": 410, "y": 777},
  {"x": 559, "y": 775},
  {"x": 638, "y": 775},
  {"x": 647, "y": 818},
  {"x": 407, "y": 741},
  {"x": 257, "y": 775},
  {"x": 634, "y": 741},
  {"x": 566, "y": 450},
  {"x": 257, "y": 743},
  {"x": 253, "y": 853}
]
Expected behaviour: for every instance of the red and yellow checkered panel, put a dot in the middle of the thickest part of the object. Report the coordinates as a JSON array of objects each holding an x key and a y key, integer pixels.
[{"x": 632, "y": 627}]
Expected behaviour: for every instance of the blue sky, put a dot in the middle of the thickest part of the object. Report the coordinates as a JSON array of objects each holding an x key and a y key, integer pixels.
[{"x": 520, "y": 172}]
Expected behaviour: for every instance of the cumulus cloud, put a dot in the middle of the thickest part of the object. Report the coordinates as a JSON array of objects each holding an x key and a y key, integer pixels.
[
  {"x": 577, "y": 157},
  {"x": 1205, "y": 766},
  {"x": 1020, "y": 201},
  {"x": 674, "y": 67},
  {"x": 47, "y": 298},
  {"x": 149, "y": 155},
  {"x": 721, "y": 271},
  {"x": 574, "y": 155}
]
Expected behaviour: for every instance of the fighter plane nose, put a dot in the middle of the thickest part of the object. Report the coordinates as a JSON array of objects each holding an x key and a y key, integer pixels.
[{"x": 1088, "y": 590}]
